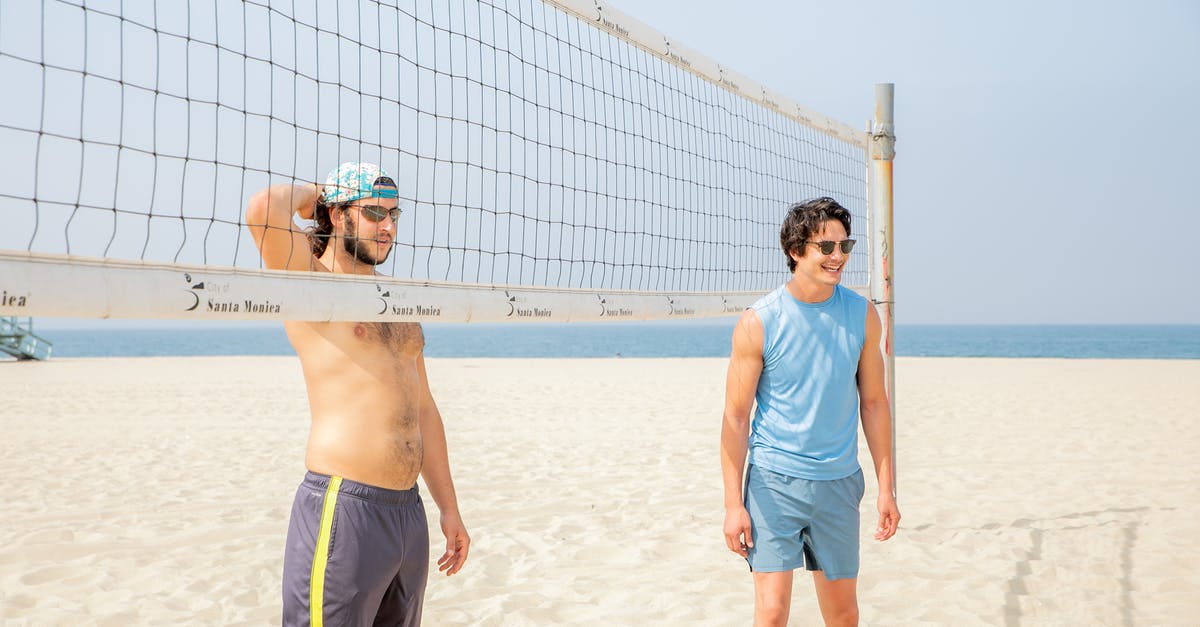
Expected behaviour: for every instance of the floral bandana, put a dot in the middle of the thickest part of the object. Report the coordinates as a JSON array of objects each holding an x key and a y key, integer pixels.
[{"x": 353, "y": 180}]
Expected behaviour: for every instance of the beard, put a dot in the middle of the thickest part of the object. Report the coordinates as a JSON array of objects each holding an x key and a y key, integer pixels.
[{"x": 357, "y": 248}]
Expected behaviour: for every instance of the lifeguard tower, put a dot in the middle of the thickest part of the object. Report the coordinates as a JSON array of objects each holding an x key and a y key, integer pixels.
[{"x": 18, "y": 339}]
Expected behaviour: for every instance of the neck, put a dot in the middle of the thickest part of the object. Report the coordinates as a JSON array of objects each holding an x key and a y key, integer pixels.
[{"x": 809, "y": 292}]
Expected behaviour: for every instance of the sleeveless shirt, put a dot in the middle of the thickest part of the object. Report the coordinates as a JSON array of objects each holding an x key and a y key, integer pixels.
[{"x": 806, "y": 424}]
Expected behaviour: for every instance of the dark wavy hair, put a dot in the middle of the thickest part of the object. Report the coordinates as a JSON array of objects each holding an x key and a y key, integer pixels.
[
  {"x": 805, "y": 219},
  {"x": 322, "y": 229}
]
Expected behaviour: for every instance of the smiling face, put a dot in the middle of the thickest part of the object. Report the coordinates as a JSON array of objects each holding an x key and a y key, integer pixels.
[{"x": 818, "y": 271}]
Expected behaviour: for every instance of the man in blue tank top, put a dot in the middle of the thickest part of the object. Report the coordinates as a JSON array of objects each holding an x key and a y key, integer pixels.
[{"x": 808, "y": 355}]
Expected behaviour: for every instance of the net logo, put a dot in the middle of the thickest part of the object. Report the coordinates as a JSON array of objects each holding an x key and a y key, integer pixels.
[
  {"x": 400, "y": 309},
  {"x": 525, "y": 312},
  {"x": 423, "y": 310},
  {"x": 613, "y": 312},
  {"x": 679, "y": 310},
  {"x": 679, "y": 59},
  {"x": 194, "y": 290},
  {"x": 613, "y": 26},
  {"x": 13, "y": 300},
  {"x": 387, "y": 305},
  {"x": 218, "y": 305},
  {"x": 727, "y": 308},
  {"x": 246, "y": 306}
]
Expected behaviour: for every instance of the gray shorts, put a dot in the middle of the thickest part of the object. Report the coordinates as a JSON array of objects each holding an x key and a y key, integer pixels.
[
  {"x": 801, "y": 522},
  {"x": 356, "y": 555}
]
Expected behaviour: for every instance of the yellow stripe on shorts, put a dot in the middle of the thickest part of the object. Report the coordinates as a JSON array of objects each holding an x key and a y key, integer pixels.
[{"x": 316, "y": 589}]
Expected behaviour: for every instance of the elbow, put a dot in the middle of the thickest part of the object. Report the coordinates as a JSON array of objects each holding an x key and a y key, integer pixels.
[
  {"x": 876, "y": 409},
  {"x": 256, "y": 208},
  {"x": 737, "y": 422}
]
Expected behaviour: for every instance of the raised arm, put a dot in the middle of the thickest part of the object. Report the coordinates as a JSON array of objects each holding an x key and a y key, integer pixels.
[
  {"x": 876, "y": 414},
  {"x": 435, "y": 468},
  {"x": 269, "y": 216},
  {"x": 741, "y": 382}
]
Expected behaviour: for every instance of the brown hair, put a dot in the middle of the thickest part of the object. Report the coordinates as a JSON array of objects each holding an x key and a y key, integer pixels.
[
  {"x": 322, "y": 229},
  {"x": 805, "y": 219}
]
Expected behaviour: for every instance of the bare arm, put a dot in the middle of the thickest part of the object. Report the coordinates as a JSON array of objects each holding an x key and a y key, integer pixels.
[
  {"x": 876, "y": 415},
  {"x": 269, "y": 216},
  {"x": 435, "y": 468},
  {"x": 741, "y": 382}
]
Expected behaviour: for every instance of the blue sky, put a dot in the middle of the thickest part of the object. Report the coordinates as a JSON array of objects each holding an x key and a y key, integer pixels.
[
  {"x": 1043, "y": 148},
  {"x": 1044, "y": 153}
]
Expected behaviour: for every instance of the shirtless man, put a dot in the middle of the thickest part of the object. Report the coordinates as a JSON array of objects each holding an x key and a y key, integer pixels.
[{"x": 357, "y": 544}]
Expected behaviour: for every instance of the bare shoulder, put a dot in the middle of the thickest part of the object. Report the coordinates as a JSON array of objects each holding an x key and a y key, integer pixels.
[
  {"x": 872, "y": 320},
  {"x": 750, "y": 323},
  {"x": 748, "y": 333},
  {"x": 749, "y": 318}
]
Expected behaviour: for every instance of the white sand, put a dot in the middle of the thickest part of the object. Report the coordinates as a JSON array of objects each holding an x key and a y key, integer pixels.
[{"x": 1034, "y": 492}]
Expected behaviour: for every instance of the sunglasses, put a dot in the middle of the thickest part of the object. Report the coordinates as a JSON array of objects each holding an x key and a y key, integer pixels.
[
  {"x": 826, "y": 247},
  {"x": 376, "y": 213}
]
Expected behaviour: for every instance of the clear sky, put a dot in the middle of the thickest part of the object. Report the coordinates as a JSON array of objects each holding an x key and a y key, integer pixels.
[{"x": 1045, "y": 150}]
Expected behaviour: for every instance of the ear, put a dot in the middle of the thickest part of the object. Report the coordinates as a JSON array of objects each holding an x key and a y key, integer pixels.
[{"x": 337, "y": 217}]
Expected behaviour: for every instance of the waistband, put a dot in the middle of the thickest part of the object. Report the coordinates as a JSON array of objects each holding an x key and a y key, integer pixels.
[{"x": 362, "y": 490}]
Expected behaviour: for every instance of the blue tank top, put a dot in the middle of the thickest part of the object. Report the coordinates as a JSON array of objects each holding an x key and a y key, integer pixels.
[{"x": 806, "y": 424}]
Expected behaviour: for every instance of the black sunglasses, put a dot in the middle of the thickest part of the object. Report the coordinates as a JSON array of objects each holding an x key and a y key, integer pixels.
[
  {"x": 826, "y": 247},
  {"x": 376, "y": 213}
]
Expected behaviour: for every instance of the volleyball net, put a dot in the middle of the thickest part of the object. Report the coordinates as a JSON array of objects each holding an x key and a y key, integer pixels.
[{"x": 556, "y": 160}]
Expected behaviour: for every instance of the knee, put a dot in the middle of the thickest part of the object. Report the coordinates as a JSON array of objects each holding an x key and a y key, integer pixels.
[
  {"x": 771, "y": 613},
  {"x": 842, "y": 616}
]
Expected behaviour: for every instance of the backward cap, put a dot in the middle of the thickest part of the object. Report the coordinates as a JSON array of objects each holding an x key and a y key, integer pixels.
[{"x": 353, "y": 180}]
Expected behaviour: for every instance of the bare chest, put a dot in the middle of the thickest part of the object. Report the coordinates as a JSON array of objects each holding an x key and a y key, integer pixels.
[{"x": 396, "y": 338}]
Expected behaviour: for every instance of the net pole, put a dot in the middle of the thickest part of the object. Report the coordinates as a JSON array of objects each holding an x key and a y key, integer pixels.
[{"x": 883, "y": 151}]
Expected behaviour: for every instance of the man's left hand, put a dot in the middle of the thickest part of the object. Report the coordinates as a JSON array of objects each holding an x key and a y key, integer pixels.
[
  {"x": 889, "y": 517},
  {"x": 458, "y": 544}
]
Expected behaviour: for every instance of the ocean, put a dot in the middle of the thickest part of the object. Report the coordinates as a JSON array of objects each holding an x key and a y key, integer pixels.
[{"x": 697, "y": 338}]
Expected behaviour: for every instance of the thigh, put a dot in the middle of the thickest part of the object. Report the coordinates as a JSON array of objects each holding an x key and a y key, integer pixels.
[
  {"x": 834, "y": 531},
  {"x": 335, "y": 567},
  {"x": 772, "y": 597},
  {"x": 303, "y": 529},
  {"x": 370, "y": 544},
  {"x": 779, "y": 508},
  {"x": 838, "y": 599},
  {"x": 404, "y": 598}
]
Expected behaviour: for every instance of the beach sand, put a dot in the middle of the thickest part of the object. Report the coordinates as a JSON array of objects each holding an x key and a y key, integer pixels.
[{"x": 153, "y": 491}]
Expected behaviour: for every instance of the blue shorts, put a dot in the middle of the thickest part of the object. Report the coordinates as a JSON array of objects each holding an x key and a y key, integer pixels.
[{"x": 800, "y": 522}]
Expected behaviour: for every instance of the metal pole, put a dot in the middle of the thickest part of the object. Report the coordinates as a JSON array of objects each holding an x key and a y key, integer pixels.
[{"x": 883, "y": 151}]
